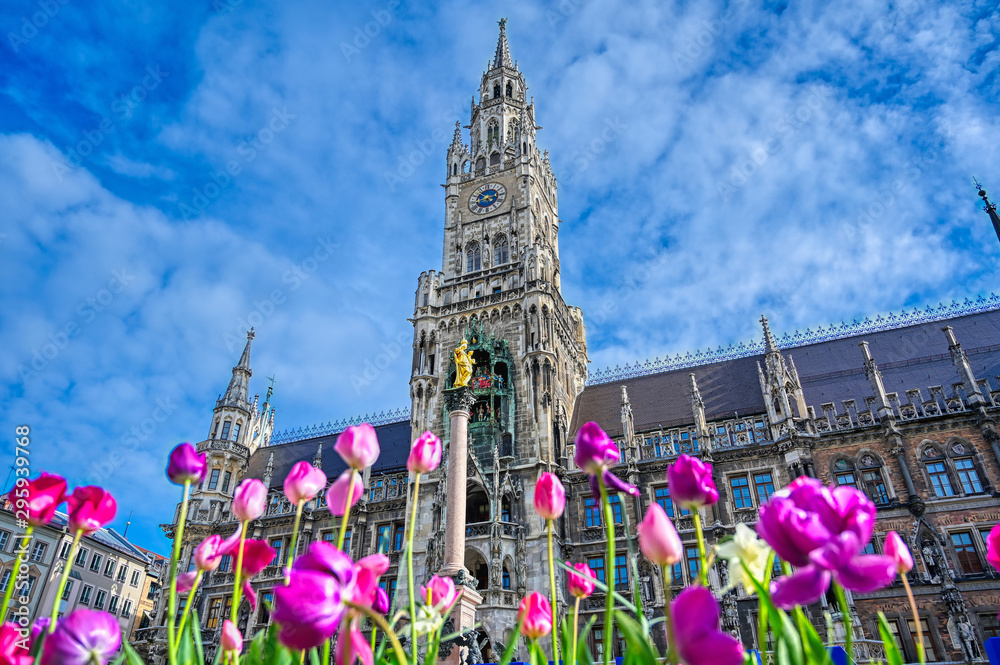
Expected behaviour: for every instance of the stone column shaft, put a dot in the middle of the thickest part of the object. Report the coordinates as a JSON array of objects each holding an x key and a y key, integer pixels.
[{"x": 454, "y": 544}]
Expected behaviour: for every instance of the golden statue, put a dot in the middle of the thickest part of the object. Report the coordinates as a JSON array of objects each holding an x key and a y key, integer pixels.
[{"x": 463, "y": 366}]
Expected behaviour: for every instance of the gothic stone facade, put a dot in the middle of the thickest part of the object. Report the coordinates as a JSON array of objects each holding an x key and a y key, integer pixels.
[{"x": 916, "y": 432}]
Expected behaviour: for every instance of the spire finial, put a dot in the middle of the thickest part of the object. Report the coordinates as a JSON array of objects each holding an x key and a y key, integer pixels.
[
  {"x": 769, "y": 343},
  {"x": 990, "y": 208},
  {"x": 502, "y": 57},
  {"x": 251, "y": 334}
]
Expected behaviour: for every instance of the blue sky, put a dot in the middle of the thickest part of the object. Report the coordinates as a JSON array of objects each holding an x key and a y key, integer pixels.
[{"x": 716, "y": 161}]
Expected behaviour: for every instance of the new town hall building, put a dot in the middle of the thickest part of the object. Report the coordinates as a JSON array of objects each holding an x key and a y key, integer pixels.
[{"x": 903, "y": 407}]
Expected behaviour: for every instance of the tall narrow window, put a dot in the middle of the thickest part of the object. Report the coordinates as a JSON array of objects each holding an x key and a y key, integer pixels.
[
  {"x": 621, "y": 572},
  {"x": 397, "y": 537},
  {"x": 383, "y": 538},
  {"x": 677, "y": 574},
  {"x": 844, "y": 473},
  {"x": 266, "y": 600},
  {"x": 225, "y": 429},
  {"x": 596, "y": 564},
  {"x": 616, "y": 508},
  {"x": 968, "y": 476},
  {"x": 225, "y": 481},
  {"x": 500, "y": 252},
  {"x": 694, "y": 563},
  {"x": 213, "y": 480},
  {"x": 662, "y": 495},
  {"x": 236, "y": 431},
  {"x": 764, "y": 485},
  {"x": 875, "y": 486},
  {"x": 929, "y": 650},
  {"x": 592, "y": 512},
  {"x": 965, "y": 552},
  {"x": 939, "y": 479},
  {"x": 741, "y": 492},
  {"x": 276, "y": 544},
  {"x": 214, "y": 608},
  {"x": 473, "y": 259},
  {"x": 506, "y": 579},
  {"x": 510, "y": 89},
  {"x": 347, "y": 540}
]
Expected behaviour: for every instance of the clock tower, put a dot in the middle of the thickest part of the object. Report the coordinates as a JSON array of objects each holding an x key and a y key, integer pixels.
[{"x": 498, "y": 289}]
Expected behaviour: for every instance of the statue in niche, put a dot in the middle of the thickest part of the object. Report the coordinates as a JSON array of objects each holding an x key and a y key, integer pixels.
[
  {"x": 967, "y": 636},
  {"x": 463, "y": 366}
]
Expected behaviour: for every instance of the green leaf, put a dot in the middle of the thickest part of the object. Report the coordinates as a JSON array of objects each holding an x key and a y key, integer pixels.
[
  {"x": 583, "y": 655},
  {"x": 196, "y": 636},
  {"x": 892, "y": 654},
  {"x": 603, "y": 588},
  {"x": 535, "y": 654},
  {"x": 638, "y": 648},
  {"x": 816, "y": 652},
  {"x": 508, "y": 653},
  {"x": 131, "y": 657},
  {"x": 314, "y": 657}
]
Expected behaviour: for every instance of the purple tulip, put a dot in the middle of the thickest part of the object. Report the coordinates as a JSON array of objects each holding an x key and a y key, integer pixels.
[
  {"x": 595, "y": 452},
  {"x": 691, "y": 484},
  {"x": 83, "y": 637},
  {"x": 249, "y": 500},
  {"x": 425, "y": 455},
  {"x": 550, "y": 496},
  {"x": 381, "y": 604},
  {"x": 308, "y": 610},
  {"x": 324, "y": 557},
  {"x": 304, "y": 482},
  {"x": 358, "y": 446},
  {"x": 186, "y": 465},
  {"x": 699, "y": 641},
  {"x": 897, "y": 550},
  {"x": 13, "y": 650}
]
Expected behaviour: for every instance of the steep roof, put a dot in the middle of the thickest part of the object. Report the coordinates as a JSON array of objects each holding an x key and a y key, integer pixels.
[
  {"x": 909, "y": 357},
  {"x": 393, "y": 438}
]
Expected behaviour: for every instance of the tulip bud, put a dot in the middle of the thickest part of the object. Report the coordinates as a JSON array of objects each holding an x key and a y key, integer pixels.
[
  {"x": 336, "y": 496},
  {"x": 304, "y": 482},
  {"x": 381, "y": 604},
  {"x": 658, "y": 538},
  {"x": 249, "y": 500},
  {"x": 39, "y": 498},
  {"x": 581, "y": 583},
  {"x": 535, "y": 616},
  {"x": 993, "y": 547},
  {"x": 232, "y": 640},
  {"x": 691, "y": 484},
  {"x": 896, "y": 550},
  {"x": 550, "y": 496},
  {"x": 90, "y": 508},
  {"x": 186, "y": 465},
  {"x": 425, "y": 455},
  {"x": 442, "y": 592},
  {"x": 595, "y": 451},
  {"x": 358, "y": 446},
  {"x": 185, "y": 581}
]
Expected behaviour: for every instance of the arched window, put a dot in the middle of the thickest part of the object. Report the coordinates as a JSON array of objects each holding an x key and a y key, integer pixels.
[
  {"x": 215, "y": 430},
  {"x": 454, "y": 169},
  {"x": 510, "y": 89},
  {"x": 500, "y": 251},
  {"x": 506, "y": 579},
  {"x": 492, "y": 133},
  {"x": 505, "y": 515},
  {"x": 496, "y": 90},
  {"x": 937, "y": 472},
  {"x": 473, "y": 258},
  {"x": 524, "y": 148},
  {"x": 495, "y": 159},
  {"x": 481, "y": 164},
  {"x": 225, "y": 429},
  {"x": 874, "y": 482},
  {"x": 962, "y": 456},
  {"x": 844, "y": 474}
]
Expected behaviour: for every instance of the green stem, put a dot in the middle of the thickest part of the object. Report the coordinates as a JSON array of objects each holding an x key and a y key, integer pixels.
[
  {"x": 62, "y": 580},
  {"x": 409, "y": 567},
  {"x": 12, "y": 581},
  {"x": 174, "y": 559},
  {"x": 916, "y": 619},
  {"x": 347, "y": 513},
  {"x": 762, "y": 617},
  {"x": 326, "y": 653},
  {"x": 703, "y": 572},
  {"x": 552, "y": 583},
  {"x": 291, "y": 547},
  {"x": 668, "y": 615},
  {"x": 845, "y": 615},
  {"x": 380, "y": 622},
  {"x": 609, "y": 603},
  {"x": 237, "y": 586},
  {"x": 576, "y": 632},
  {"x": 187, "y": 605}
]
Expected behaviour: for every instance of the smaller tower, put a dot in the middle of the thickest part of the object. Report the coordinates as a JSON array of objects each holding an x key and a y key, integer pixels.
[{"x": 781, "y": 388}]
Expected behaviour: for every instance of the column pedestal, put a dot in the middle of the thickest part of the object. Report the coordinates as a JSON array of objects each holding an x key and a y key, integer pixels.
[{"x": 464, "y": 617}]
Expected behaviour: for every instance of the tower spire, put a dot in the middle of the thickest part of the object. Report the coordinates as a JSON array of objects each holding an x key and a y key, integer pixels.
[
  {"x": 237, "y": 393},
  {"x": 990, "y": 208},
  {"x": 502, "y": 57},
  {"x": 770, "y": 345}
]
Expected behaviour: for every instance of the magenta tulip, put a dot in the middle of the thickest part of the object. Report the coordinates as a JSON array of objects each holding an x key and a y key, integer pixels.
[
  {"x": 40, "y": 627},
  {"x": 535, "y": 616},
  {"x": 257, "y": 555},
  {"x": 186, "y": 465},
  {"x": 550, "y": 496},
  {"x": 352, "y": 645},
  {"x": 581, "y": 583},
  {"x": 325, "y": 558},
  {"x": 381, "y": 604},
  {"x": 36, "y": 500},
  {"x": 697, "y": 636},
  {"x": 336, "y": 496},
  {"x": 208, "y": 555},
  {"x": 993, "y": 547},
  {"x": 442, "y": 592},
  {"x": 83, "y": 637},
  {"x": 425, "y": 455},
  {"x": 249, "y": 500},
  {"x": 304, "y": 483},
  {"x": 897, "y": 550},
  {"x": 308, "y": 610},
  {"x": 658, "y": 538},
  {"x": 691, "y": 484},
  {"x": 595, "y": 451},
  {"x": 232, "y": 640},
  {"x": 358, "y": 446},
  {"x": 13, "y": 648},
  {"x": 185, "y": 581},
  {"x": 90, "y": 508}
]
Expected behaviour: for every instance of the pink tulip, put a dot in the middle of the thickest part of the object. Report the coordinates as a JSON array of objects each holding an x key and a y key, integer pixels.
[
  {"x": 303, "y": 483},
  {"x": 36, "y": 500},
  {"x": 336, "y": 496},
  {"x": 581, "y": 583},
  {"x": 595, "y": 451},
  {"x": 550, "y": 496},
  {"x": 249, "y": 500},
  {"x": 425, "y": 455},
  {"x": 232, "y": 640},
  {"x": 257, "y": 555},
  {"x": 993, "y": 547},
  {"x": 325, "y": 558},
  {"x": 208, "y": 555},
  {"x": 309, "y": 609},
  {"x": 13, "y": 650},
  {"x": 381, "y": 604},
  {"x": 658, "y": 538},
  {"x": 691, "y": 484},
  {"x": 353, "y": 646},
  {"x": 186, "y": 465},
  {"x": 896, "y": 550},
  {"x": 442, "y": 592},
  {"x": 90, "y": 508},
  {"x": 358, "y": 446},
  {"x": 698, "y": 638},
  {"x": 185, "y": 581},
  {"x": 83, "y": 637},
  {"x": 535, "y": 616}
]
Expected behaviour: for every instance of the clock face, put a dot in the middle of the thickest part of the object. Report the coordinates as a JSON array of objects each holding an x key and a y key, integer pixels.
[{"x": 487, "y": 198}]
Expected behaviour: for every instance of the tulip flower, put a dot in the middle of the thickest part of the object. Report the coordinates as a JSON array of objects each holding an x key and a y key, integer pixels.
[
  {"x": 90, "y": 508},
  {"x": 249, "y": 500},
  {"x": 698, "y": 639},
  {"x": 897, "y": 550},
  {"x": 325, "y": 558},
  {"x": 304, "y": 482},
  {"x": 40, "y": 626},
  {"x": 257, "y": 555},
  {"x": 84, "y": 637},
  {"x": 381, "y": 604},
  {"x": 358, "y": 446},
  {"x": 550, "y": 496},
  {"x": 232, "y": 640},
  {"x": 308, "y": 610},
  {"x": 993, "y": 547},
  {"x": 185, "y": 581},
  {"x": 581, "y": 583},
  {"x": 13, "y": 650},
  {"x": 440, "y": 592},
  {"x": 691, "y": 484},
  {"x": 336, "y": 496},
  {"x": 535, "y": 616},
  {"x": 595, "y": 453},
  {"x": 186, "y": 465},
  {"x": 425, "y": 455},
  {"x": 745, "y": 548},
  {"x": 208, "y": 555},
  {"x": 38, "y": 498},
  {"x": 658, "y": 538}
]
